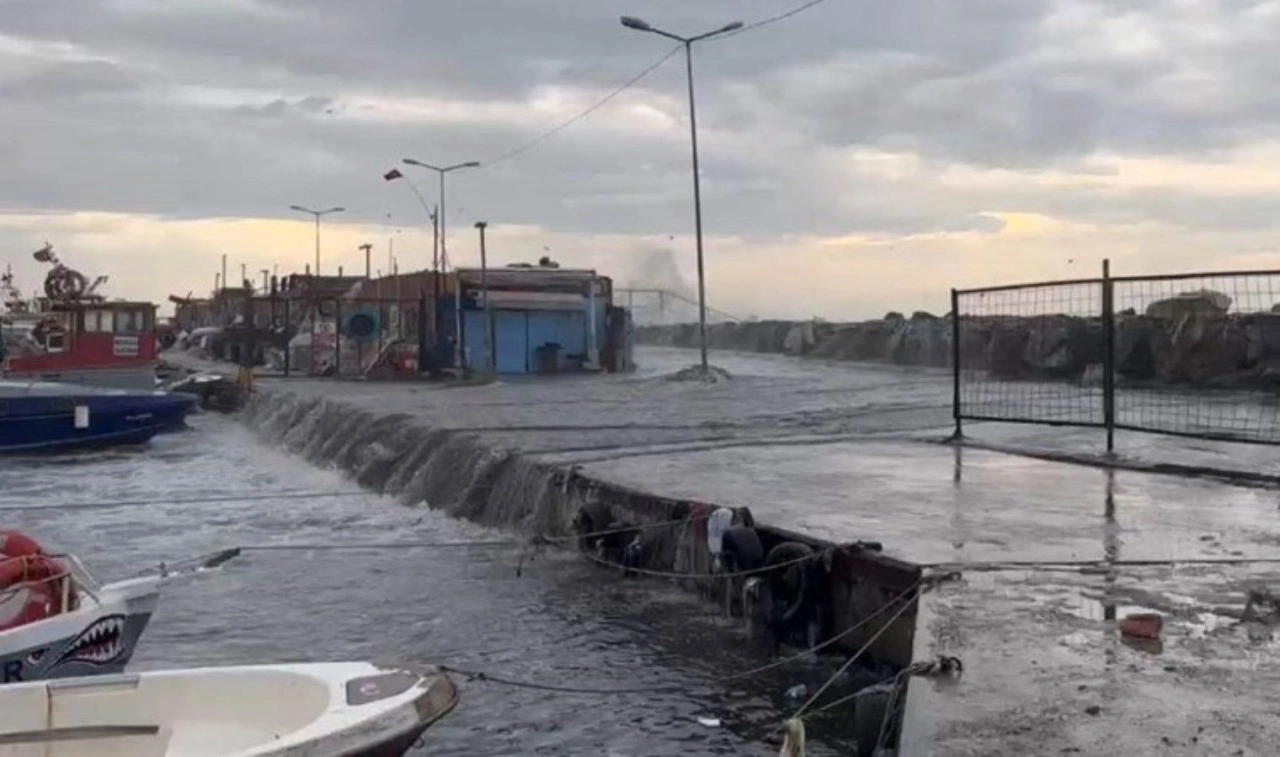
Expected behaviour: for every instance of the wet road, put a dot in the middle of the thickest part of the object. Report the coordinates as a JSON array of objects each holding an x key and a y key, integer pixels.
[{"x": 563, "y": 622}]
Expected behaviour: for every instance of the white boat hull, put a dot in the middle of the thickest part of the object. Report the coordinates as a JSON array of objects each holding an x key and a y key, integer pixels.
[
  {"x": 98, "y": 638},
  {"x": 306, "y": 710}
]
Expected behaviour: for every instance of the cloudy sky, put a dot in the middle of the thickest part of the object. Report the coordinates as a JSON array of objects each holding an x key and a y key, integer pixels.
[{"x": 858, "y": 157}]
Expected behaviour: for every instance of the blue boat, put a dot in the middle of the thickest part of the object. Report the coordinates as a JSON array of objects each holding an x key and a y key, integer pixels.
[{"x": 38, "y": 417}]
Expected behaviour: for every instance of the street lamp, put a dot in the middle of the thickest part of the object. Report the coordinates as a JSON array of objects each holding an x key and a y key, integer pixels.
[
  {"x": 317, "y": 214},
  {"x": 643, "y": 26},
  {"x": 442, "y": 172}
]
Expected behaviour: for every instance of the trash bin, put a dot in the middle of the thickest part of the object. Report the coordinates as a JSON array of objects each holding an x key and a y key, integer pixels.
[{"x": 549, "y": 358}]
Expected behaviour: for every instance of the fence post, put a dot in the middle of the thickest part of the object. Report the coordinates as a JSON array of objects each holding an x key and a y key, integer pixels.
[
  {"x": 955, "y": 360},
  {"x": 1108, "y": 356},
  {"x": 337, "y": 338},
  {"x": 288, "y": 329}
]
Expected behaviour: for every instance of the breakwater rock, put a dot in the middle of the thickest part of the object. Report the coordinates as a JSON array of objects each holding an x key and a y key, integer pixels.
[{"x": 1182, "y": 341}]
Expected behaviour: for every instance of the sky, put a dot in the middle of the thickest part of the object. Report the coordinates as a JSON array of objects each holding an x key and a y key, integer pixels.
[{"x": 857, "y": 157}]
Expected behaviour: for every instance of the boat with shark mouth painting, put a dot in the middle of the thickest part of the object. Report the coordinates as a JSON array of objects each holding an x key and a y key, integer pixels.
[{"x": 57, "y": 621}]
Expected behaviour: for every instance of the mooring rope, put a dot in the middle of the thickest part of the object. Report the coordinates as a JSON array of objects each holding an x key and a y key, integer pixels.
[
  {"x": 849, "y": 663},
  {"x": 818, "y": 647},
  {"x": 190, "y": 501},
  {"x": 1076, "y": 566},
  {"x": 734, "y": 574},
  {"x": 480, "y": 675}
]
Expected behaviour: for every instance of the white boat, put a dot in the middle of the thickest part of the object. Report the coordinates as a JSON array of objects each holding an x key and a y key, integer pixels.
[
  {"x": 347, "y": 709},
  {"x": 93, "y": 631},
  {"x": 83, "y": 627}
]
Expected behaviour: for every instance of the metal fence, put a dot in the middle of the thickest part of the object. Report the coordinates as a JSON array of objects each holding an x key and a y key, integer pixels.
[
  {"x": 343, "y": 337},
  {"x": 1191, "y": 355}
]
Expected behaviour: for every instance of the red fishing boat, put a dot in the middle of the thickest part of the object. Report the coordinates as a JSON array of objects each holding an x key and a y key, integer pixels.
[{"x": 73, "y": 334}]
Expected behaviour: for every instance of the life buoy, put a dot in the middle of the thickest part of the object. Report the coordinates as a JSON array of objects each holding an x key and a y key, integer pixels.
[{"x": 31, "y": 582}]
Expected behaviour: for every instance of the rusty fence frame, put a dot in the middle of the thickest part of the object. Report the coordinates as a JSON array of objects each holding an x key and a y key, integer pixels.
[{"x": 1106, "y": 408}]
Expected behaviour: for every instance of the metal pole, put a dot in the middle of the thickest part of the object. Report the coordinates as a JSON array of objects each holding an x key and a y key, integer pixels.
[
  {"x": 317, "y": 244},
  {"x": 435, "y": 238},
  {"x": 443, "y": 236},
  {"x": 697, "y": 211},
  {"x": 955, "y": 361},
  {"x": 489, "y": 336},
  {"x": 1108, "y": 356},
  {"x": 457, "y": 321}
]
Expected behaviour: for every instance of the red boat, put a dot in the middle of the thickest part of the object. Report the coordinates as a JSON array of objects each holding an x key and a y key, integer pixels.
[{"x": 75, "y": 335}]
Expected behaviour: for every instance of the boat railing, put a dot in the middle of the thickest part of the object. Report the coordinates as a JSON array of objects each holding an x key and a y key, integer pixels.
[{"x": 82, "y": 582}]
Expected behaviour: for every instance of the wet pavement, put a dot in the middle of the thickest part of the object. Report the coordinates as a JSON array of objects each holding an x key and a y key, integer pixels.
[{"x": 847, "y": 451}]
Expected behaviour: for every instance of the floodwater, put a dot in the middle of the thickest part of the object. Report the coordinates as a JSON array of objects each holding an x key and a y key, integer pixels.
[{"x": 562, "y": 622}]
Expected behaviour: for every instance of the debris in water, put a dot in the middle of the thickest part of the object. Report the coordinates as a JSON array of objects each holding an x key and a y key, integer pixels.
[
  {"x": 713, "y": 375},
  {"x": 709, "y": 722},
  {"x": 1093, "y": 709},
  {"x": 1143, "y": 625},
  {"x": 793, "y": 744},
  {"x": 792, "y": 697},
  {"x": 1262, "y": 607}
]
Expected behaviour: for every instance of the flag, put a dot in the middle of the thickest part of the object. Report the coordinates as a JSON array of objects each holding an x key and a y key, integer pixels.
[{"x": 393, "y": 174}]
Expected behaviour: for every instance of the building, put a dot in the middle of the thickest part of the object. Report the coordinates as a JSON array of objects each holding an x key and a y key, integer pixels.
[{"x": 538, "y": 320}]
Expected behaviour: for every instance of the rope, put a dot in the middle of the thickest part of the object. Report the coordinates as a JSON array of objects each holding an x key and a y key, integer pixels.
[
  {"x": 828, "y": 642},
  {"x": 848, "y": 663},
  {"x": 1082, "y": 565},
  {"x": 736, "y": 574},
  {"x": 379, "y": 545},
  {"x": 192, "y": 501},
  {"x": 479, "y": 675}
]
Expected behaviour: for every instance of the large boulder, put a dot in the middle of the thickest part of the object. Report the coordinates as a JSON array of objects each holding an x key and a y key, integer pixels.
[
  {"x": 922, "y": 340},
  {"x": 800, "y": 339},
  {"x": 1201, "y": 350},
  {"x": 1202, "y": 303},
  {"x": 1262, "y": 330},
  {"x": 1060, "y": 346},
  {"x": 859, "y": 341},
  {"x": 1005, "y": 349},
  {"x": 1136, "y": 336}
]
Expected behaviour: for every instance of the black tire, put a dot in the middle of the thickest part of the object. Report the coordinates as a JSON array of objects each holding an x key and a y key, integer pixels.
[
  {"x": 741, "y": 549},
  {"x": 790, "y": 583}
]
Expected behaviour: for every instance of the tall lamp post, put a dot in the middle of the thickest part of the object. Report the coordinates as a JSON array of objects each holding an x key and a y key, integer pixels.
[
  {"x": 441, "y": 171},
  {"x": 643, "y": 26},
  {"x": 440, "y": 224},
  {"x": 317, "y": 214},
  {"x": 490, "y": 338}
]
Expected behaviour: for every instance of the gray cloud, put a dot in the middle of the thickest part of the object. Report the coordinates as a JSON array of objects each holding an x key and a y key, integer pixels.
[{"x": 242, "y": 108}]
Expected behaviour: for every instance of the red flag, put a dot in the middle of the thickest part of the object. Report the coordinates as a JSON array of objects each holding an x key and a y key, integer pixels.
[{"x": 393, "y": 174}]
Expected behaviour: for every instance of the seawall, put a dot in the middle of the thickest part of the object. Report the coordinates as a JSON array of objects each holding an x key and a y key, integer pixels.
[
  {"x": 1182, "y": 344},
  {"x": 459, "y": 472}
]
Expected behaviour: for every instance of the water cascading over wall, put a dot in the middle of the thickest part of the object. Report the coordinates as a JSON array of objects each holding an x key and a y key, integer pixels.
[{"x": 460, "y": 474}]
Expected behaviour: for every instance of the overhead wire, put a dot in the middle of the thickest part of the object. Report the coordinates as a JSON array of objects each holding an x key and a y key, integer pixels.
[
  {"x": 628, "y": 84},
  {"x": 770, "y": 20}
]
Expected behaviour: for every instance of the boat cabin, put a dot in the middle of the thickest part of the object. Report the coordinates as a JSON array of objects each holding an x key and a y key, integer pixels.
[{"x": 97, "y": 343}]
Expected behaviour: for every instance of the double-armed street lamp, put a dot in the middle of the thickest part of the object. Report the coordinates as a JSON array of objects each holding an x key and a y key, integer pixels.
[
  {"x": 643, "y": 26},
  {"x": 317, "y": 214}
]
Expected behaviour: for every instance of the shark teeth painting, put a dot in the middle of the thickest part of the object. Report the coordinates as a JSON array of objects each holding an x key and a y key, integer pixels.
[{"x": 99, "y": 644}]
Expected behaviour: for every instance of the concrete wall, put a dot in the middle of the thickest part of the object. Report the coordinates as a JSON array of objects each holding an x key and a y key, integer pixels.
[{"x": 457, "y": 472}]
